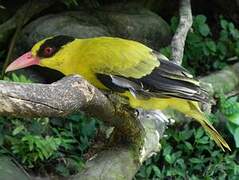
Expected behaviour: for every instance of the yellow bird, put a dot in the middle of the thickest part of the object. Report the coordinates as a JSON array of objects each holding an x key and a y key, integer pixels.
[{"x": 128, "y": 67}]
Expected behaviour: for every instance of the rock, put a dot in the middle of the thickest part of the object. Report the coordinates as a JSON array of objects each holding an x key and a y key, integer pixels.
[
  {"x": 136, "y": 23},
  {"x": 9, "y": 171},
  {"x": 76, "y": 24},
  {"x": 132, "y": 23}
]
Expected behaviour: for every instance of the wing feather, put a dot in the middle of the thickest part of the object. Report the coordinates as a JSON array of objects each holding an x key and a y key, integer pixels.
[
  {"x": 166, "y": 80},
  {"x": 137, "y": 68}
]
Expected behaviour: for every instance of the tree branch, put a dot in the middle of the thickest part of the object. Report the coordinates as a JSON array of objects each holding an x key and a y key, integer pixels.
[
  {"x": 225, "y": 80},
  {"x": 134, "y": 138},
  {"x": 61, "y": 98},
  {"x": 179, "y": 38}
]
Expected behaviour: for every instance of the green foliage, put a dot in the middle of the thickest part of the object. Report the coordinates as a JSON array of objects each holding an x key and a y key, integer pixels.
[
  {"x": 188, "y": 153},
  {"x": 205, "y": 53},
  {"x": 43, "y": 142},
  {"x": 34, "y": 147},
  {"x": 229, "y": 107},
  {"x": 17, "y": 78}
]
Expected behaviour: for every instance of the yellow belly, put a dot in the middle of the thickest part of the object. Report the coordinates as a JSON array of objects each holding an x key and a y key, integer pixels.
[{"x": 153, "y": 103}]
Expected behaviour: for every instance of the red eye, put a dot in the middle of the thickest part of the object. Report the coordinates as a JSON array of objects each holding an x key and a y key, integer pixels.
[{"x": 48, "y": 51}]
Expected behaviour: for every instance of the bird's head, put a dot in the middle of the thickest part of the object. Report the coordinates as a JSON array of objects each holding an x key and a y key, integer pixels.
[{"x": 46, "y": 53}]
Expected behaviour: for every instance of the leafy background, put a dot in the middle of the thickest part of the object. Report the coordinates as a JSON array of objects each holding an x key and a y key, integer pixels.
[{"x": 44, "y": 146}]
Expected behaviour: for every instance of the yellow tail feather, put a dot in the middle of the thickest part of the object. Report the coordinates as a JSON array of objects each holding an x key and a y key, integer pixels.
[
  {"x": 189, "y": 108},
  {"x": 198, "y": 115},
  {"x": 214, "y": 134}
]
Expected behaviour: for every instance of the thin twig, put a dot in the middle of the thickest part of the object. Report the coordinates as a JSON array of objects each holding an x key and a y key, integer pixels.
[
  {"x": 2, "y": 7},
  {"x": 20, "y": 22},
  {"x": 185, "y": 23}
]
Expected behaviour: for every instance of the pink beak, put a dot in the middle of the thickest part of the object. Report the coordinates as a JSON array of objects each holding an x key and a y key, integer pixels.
[{"x": 23, "y": 61}]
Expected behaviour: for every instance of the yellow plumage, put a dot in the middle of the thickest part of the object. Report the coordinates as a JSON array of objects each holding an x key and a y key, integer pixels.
[
  {"x": 190, "y": 108},
  {"x": 103, "y": 55},
  {"x": 134, "y": 70}
]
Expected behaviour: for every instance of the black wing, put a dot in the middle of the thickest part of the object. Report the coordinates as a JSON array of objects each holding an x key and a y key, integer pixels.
[{"x": 167, "y": 80}]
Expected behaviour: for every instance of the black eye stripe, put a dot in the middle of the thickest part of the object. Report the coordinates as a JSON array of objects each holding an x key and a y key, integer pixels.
[{"x": 55, "y": 43}]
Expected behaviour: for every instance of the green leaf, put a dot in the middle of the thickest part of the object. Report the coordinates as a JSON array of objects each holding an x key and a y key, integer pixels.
[
  {"x": 15, "y": 77},
  {"x": 148, "y": 171},
  {"x": 180, "y": 161},
  {"x": 17, "y": 130},
  {"x": 196, "y": 160},
  {"x": 170, "y": 158},
  {"x": 203, "y": 140},
  {"x": 89, "y": 128},
  {"x": 236, "y": 137},
  {"x": 193, "y": 38},
  {"x": 188, "y": 145},
  {"x": 211, "y": 45},
  {"x": 199, "y": 133},
  {"x": 167, "y": 150},
  {"x": 215, "y": 153},
  {"x": 234, "y": 118},
  {"x": 224, "y": 35},
  {"x": 185, "y": 135},
  {"x": 200, "y": 19},
  {"x": 39, "y": 155},
  {"x": 31, "y": 145},
  {"x": 156, "y": 171},
  {"x": 231, "y": 28},
  {"x": 223, "y": 23},
  {"x": 204, "y": 30}
]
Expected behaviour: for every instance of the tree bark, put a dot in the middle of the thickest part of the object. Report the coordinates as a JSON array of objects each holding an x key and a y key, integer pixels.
[
  {"x": 179, "y": 38},
  {"x": 58, "y": 99},
  {"x": 222, "y": 81}
]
